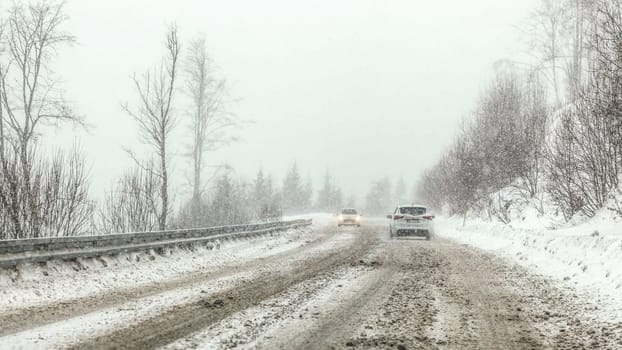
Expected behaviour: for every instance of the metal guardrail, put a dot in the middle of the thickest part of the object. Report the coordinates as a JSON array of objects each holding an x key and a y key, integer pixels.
[{"x": 18, "y": 251}]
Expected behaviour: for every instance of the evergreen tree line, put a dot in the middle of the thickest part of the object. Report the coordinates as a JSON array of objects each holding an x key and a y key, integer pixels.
[{"x": 263, "y": 199}]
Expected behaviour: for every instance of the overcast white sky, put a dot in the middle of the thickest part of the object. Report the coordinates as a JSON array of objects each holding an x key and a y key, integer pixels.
[{"x": 363, "y": 88}]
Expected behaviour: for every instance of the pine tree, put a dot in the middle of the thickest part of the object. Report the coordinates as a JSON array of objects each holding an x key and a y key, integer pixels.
[
  {"x": 266, "y": 202},
  {"x": 222, "y": 205},
  {"x": 324, "y": 194},
  {"x": 259, "y": 187},
  {"x": 307, "y": 199},
  {"x": 329, "y": 196},
  {"x": 293, "y": 192}
]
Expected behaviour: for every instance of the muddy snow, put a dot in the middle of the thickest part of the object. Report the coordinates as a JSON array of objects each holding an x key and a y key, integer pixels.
[{"x": 322, "y": 287}]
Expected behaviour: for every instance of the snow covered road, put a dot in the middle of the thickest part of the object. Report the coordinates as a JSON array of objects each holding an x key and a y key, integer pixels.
[{"x": 324, "y": 287}]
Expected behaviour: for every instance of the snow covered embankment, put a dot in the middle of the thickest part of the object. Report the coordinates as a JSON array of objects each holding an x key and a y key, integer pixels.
[{"x": 587, "y": 256}]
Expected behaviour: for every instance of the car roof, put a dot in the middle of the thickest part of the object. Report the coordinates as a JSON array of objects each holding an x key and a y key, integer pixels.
[{"x": 412, "y": 205}]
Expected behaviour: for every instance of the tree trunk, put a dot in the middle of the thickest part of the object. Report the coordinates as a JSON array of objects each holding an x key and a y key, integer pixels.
[{"x": 164, "y": 189}]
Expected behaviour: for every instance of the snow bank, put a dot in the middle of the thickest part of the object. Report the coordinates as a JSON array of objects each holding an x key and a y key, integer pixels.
[
  {"x": 32, "y": 285},
  {"x": 587, "y": 256}
]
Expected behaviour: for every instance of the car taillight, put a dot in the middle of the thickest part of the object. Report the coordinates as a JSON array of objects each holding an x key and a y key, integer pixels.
[
  {"x": 397, "y": 217},
  {"x": 429, "y": 217}
]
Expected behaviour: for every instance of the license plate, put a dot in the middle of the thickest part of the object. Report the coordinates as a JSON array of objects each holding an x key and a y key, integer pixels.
[{"x": 413, "y": 220}]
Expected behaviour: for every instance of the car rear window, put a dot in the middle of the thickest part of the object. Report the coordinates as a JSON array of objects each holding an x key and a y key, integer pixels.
[
  {"x": 348, "y": 212},
  {"x": 413, "y": 210}
]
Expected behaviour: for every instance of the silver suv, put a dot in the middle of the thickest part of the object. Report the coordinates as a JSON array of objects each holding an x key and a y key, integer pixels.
[{"x": 411, "y": 220}]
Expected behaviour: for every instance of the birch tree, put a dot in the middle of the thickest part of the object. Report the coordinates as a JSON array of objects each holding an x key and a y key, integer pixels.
[
  {"x": 154, "y": 114},
  {"x": 545, "y": 33},
  {"x": 209, "y": 121}
]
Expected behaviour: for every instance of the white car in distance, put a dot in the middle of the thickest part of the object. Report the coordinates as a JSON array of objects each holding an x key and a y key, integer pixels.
[
  {"x": 411, "y": 220},
  {"x": 348, "y": 216}
]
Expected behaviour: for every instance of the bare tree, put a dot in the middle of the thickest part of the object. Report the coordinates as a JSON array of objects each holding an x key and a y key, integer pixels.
[
  {"x": 585, "y": 159},
  {"x": 533, "y": 126},
  {"x": 544, "y": 31},
  {"x": 517, "y": 144},
  {"x": 39, "y": 197},
  {"x": 2, "y": 74},
  {"x": 154, "y": 115},
  {"x": 28, "y": 89},
  {"x": 66, "y": 207},
  {"x": 561, "y": 160},
  {"x": 499, "y": 147},
  {"x": 58, "y": 196},
  {"x": 209, "y": 121},
  {"x": 133, "y": 204},
  {"x": 582, "y": 16},
  {"x": 558, "y": 36}
]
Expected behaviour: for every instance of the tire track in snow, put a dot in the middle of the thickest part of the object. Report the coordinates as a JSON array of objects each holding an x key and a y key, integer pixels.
[
  {"x": 186, "y": 318},
  {"x": 20, "y": 319}
]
